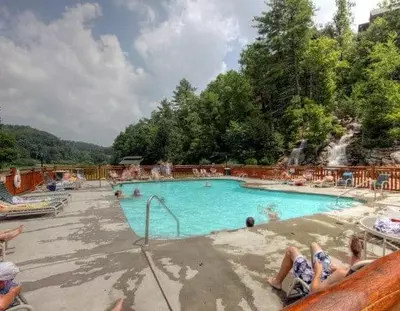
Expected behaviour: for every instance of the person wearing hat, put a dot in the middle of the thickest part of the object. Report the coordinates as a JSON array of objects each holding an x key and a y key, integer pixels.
[{"x": 8, "y": 289}]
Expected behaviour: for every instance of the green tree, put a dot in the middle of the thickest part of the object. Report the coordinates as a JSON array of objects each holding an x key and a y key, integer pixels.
[{"x": 8, "y": 151}]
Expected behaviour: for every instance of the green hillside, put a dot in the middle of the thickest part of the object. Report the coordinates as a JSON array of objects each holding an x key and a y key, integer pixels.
[{"x": 31, "y": 143}]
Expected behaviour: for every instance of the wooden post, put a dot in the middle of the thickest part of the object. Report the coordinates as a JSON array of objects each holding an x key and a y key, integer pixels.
[
  {"x": 13, "y": 173},
  {"x": 99, "y": 171}
]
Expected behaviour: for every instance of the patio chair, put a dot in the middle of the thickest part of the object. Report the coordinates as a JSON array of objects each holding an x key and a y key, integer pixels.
[
  {"x": 345, "y": 180},
  {"x": 58, "y": 198},
  {"x": 380, "y": 182},
  {"x": 299, "y": 289},
  {"x": 22, "y": 210},
  {"x": 20, "y": 304},
  {"x": 368, "y": 225}
]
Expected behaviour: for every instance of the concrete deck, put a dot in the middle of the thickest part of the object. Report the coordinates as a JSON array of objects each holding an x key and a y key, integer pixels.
[{"x": 87, "y": 257}]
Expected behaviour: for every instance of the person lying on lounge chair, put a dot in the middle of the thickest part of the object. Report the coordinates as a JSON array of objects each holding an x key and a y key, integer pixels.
[
  {"x": 8, "y": 289},
  {"x": 7, "y": 235},
  {"x": 320, "y": 274}
]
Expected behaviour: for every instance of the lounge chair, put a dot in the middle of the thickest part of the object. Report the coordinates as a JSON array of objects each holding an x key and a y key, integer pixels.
[
  {"x": 368, "y": 225},
  {"x": 58, "y": 198},
  {"x": 299, "y": 289},
  {"x": 345, "y": 180},
  {"x": 203, "y": 173},
  {"x": 20, "y": 304},
  {"x": 18, "y": 210},
  {"x": 196, "y": 172},
  {"x": 214, "y": 173}
]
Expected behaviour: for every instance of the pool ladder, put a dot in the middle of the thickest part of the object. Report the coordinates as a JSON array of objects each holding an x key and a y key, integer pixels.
[{"x": 146, "y": 236}]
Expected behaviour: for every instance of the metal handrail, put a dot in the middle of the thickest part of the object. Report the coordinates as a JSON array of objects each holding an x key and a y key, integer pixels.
[
  {"x": 146, "y": 236},
  {"x": 359, "y": 185}
]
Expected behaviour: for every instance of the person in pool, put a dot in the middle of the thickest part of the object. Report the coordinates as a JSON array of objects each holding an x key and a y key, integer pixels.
[
  {"x": 321, "y": 273},
  {"x": 250, "y": 222},
  {"x": 207, "y": 184},
  {"x": 136, "y": 193}
]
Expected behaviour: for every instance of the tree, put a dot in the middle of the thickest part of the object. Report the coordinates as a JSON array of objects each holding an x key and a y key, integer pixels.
[{"x": 8, "y": 151}]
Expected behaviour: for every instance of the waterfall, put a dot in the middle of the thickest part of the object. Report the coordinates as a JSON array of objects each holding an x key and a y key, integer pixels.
[
  {"x": 337, "y": 155},
  {"x": 297, "y": 153}
]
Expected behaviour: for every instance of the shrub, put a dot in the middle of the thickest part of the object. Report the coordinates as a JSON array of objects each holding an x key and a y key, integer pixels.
[
  {"x": 204, "y": 162},
  {"x": 251, "y": 161}
]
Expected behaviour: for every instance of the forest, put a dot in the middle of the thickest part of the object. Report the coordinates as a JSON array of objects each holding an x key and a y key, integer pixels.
[
  {"x": 297, "y": 80},
  {"x": 23, "y": 146}
]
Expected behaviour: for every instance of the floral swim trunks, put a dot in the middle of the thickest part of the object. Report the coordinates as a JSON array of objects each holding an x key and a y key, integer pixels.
[{"x": 303, "y": 269}]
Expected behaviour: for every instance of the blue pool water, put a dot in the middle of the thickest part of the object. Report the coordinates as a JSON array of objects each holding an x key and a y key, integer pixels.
[{"x": 224, "y": 205}]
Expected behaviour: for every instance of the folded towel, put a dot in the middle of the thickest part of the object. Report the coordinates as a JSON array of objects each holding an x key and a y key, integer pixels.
[{"x": 385, "y": 225}]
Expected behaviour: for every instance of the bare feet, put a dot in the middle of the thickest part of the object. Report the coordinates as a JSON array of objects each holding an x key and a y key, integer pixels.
[
  {"x": 20, "y": 228},
  {"x": 274, "y": 283},
  {"x": 118, "y": 307}
]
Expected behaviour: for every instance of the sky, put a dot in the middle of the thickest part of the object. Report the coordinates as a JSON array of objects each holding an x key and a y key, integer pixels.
[{"x": 86, "y": 70}]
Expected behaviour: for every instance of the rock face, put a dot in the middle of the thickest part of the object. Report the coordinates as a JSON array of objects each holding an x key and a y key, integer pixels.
[{"x": 395, "y": 157}]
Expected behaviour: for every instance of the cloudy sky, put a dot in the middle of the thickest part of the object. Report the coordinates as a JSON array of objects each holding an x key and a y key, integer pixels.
[{"x": 85, "y": 70}]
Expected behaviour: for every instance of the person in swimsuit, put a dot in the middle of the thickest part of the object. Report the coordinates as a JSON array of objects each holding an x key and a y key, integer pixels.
[
  {"x": 321, "y": 273},
  {"x": 136, "y": 193}
]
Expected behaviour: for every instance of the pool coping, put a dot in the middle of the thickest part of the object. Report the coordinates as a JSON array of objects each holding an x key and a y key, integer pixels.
[{"x": 244, "y": 184}]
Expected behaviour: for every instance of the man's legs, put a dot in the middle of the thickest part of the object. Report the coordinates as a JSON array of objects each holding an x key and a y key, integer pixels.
[
  {"x": 8, "y": 235},
  {"x": 287, "y": 263}
]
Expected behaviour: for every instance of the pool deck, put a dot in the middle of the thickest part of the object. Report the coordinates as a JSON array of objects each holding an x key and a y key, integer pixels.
[{"x": 87, "y": 257}]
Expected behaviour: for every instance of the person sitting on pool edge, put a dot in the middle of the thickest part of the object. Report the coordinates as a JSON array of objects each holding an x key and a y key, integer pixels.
[
  {"x": 119, "y": 194},
  {"x": 250, "y": 222},
  {"x": 320, "y": 274}
]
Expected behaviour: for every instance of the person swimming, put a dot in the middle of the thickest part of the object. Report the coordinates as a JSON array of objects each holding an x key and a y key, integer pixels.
[
  {"x": 136, "y": 193},
  {"x": 250, "y": 222},
  {"x": 207, "y": 184}
]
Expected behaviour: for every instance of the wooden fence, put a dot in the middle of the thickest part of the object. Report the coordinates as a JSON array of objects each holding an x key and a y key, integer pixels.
[{"x": 31, "y": 178}]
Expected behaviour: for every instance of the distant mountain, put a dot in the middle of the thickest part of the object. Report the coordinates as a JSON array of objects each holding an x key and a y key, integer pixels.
[{"x": 32, "y": 143}]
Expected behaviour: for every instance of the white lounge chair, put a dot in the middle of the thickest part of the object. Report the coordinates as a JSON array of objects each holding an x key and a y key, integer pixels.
[{"x": 368, "y": 225}]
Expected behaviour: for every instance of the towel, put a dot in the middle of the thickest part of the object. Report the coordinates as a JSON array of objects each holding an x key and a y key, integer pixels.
[{"x": 385, "y": 225}]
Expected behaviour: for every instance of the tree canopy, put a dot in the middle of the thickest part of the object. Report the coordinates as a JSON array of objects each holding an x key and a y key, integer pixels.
[{"x": 297, "y": 80}]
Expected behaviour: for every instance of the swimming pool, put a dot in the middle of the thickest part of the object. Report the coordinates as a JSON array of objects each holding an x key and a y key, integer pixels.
[{"x": 224, "y": 205}]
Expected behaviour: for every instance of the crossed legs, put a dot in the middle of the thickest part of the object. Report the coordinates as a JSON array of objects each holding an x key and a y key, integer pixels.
[{"x": 287, "y": 264}]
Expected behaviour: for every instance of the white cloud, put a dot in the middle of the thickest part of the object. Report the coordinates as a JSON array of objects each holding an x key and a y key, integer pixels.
[{"x": 57, "y": 77}]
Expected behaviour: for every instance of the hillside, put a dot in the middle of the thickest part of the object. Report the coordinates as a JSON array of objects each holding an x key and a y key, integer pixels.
[{"x": 30, "y": 143}]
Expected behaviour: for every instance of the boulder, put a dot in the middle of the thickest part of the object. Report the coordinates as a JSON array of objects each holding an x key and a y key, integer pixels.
[{"x": 395, "y": 156}]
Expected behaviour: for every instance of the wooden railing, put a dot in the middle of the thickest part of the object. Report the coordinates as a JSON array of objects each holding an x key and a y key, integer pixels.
[{"x": 31, "y": 178}]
